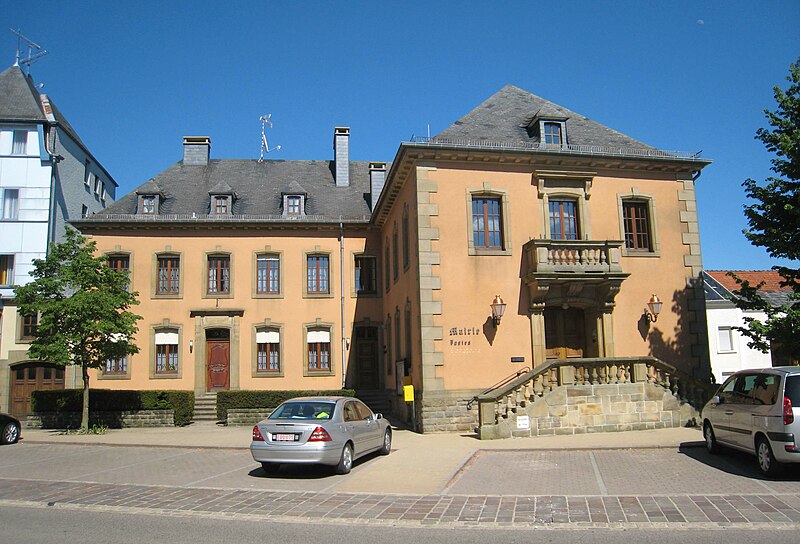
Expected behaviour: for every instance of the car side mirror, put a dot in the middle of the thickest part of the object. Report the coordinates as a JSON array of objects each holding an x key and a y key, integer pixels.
[
  {"x": 718, "y": 399},
  {"x": 378, "y": 416}
]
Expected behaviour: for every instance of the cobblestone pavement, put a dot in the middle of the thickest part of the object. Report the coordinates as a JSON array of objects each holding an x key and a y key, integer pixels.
[
  {"x": 774, "y": 511},
  {"x": 660, "y": 487}
]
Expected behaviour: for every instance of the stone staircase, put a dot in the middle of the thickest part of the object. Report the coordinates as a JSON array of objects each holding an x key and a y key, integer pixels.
[
  {"x": 205, "y": 408},
  {"x": 376, "y": 400}
]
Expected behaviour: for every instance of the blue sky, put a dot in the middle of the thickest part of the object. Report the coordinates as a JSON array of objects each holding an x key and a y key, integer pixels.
[{"x": 133, "y": 78}]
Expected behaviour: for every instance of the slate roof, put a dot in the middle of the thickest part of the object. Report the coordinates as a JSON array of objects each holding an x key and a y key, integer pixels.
[
  {"x": 506, "y": 115},
  {"x": 259, "y": 187},
  {"x": 719, "y": 286},
  {"x": 20, "y": 102}
]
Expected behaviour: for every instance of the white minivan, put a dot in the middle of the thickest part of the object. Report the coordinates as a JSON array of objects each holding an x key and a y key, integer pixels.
[{"x": 757, "y": 411}]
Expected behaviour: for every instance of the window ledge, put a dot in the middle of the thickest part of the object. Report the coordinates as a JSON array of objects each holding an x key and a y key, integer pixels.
[
  {"x": 165, "y": 376},
  {"x": 639, "y": 253},
  {"x": 490, "y": 252},
  {"x": 268, "y": 295},
  {"x": 313, "y": 373},
  {"x": 263, "y": 374},
  {"x": 102, "y": 376},
  {"x": 167, "y": 296},
  {"x": 317, "y": 295}
]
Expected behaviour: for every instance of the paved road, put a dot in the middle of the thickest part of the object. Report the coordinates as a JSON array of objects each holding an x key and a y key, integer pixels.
[
  {"x": 63, "y": 525},
  {"x": 680, "y": 487}
]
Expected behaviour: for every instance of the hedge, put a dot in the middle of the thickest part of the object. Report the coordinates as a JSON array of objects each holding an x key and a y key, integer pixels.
[
  {"x": 227, "y": 400},
  {"x": 107, "y": 400}
]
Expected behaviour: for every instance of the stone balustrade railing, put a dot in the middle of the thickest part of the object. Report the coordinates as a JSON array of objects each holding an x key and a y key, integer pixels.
[
  {"x": 501, "y": 403},
  {"x": 575, "y": 256}
]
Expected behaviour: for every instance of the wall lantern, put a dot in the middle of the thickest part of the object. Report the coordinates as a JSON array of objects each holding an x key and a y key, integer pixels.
[
  {"x": 498, "y": 309},
  {"x": 191, "y": 345},
  {"x": 653, "y": 309}
]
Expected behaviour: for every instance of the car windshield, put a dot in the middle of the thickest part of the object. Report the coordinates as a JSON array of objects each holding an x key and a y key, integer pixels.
[{"x": 304, "y": 410}]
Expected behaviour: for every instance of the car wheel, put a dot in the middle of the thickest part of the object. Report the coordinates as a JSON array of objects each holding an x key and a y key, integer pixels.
[
  {"x": 711, "y": 441},
  {"x": 346, "y": 460},
  {"x": 766, "y": 460},
  {"x": 270, "y": 468},
  {"x": 10, "y": 433},
  {"x": 387, "y": 443}
]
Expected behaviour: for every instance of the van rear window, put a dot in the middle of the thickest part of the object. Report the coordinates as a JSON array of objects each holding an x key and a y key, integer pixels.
[{"x": 793, "y": 389}]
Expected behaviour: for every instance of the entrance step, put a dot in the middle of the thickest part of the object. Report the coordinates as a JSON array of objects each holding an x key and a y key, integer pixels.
[
  {"x": 376, "y": 399},
  {"x": 205, "y": 408}
]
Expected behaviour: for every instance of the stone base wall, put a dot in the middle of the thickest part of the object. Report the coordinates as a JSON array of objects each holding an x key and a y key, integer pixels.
[
  {"x": 112, "y": 420},
  {"x": 447, "y": 412},
  {"x": 596, "y": 408},
  {"x": 247, "y": 416}
]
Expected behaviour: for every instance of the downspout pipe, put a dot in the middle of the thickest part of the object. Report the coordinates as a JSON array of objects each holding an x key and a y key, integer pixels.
[{"x": 341, "y": 290}]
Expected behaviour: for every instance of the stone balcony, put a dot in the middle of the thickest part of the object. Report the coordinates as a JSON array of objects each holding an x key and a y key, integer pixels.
[
  {"x": 573, "y": 256},
  {"x": 560, "y": 271}
]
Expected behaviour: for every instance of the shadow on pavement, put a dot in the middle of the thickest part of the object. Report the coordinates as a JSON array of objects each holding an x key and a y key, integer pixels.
[
  {"x": 736, "y": 462},
  {"x": 306, "y": 472}
]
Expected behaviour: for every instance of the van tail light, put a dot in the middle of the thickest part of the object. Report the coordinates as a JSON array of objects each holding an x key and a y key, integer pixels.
[
  {"x": 319, "y": 435},
  {"x": 257, "y": 435},
  {"x": 788, "y": 415}
]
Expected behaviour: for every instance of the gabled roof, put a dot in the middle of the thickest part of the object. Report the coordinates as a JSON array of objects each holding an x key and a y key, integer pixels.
[
  {"x": 21, "y": 102},
  {"x": 505, "y": 116},
  {"x": 259, "y": 186},
  {"x": 719, "y": 285}
]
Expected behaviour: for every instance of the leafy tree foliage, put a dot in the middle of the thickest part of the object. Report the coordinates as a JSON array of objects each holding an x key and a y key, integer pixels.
[
  {"x": 774, "y": 224},
  {"x": 82, "y": 306}
]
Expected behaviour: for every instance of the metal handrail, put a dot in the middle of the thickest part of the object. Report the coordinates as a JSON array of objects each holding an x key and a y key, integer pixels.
[
  {"x": 557, "y": 148},
  {"x": 511, "y": 377}
]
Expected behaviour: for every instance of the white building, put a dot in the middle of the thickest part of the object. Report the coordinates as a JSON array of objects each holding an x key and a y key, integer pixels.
[
  {"x": 47, "y": 177},
  {"x": 727, "y": 346}
]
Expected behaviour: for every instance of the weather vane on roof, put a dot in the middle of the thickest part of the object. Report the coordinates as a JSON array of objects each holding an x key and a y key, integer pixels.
[
  {"x": 265, "y": 120},
  {"x": 32, "y": 57}
]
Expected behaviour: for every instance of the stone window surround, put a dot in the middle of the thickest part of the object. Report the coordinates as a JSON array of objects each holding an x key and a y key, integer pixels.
[
  {"x": 635, "y": 195},
  {"x": 505, "y": 222},
  {"x": 165, "y": 326},
  {"x": 119, "y": 251},
  {"x": 166, "y": 252},
  {"x": 562, "y": 123},
  {"x": 101, "y": 375},
  {"x": 217, "y": 252},
  {"x": 387, "y": 265},
  {"x": 267, "y": 325},
  {"x": 354, "y": 293},
  {"x": 317, "y": 252},
  {"x": 575, "y": 186},
  {"x": 267, "y": 251},
  {"x": 318, "y": 325},
  {"x": 406, "y": 239}
]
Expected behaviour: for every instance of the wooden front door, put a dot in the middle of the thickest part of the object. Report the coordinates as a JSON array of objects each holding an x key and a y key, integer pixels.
[
  {"x": 218, "y": 365},
  {"x": 367, "y": 357},
  {"x": 565, "y": 335},
  {"x": 30, "y": 377}
]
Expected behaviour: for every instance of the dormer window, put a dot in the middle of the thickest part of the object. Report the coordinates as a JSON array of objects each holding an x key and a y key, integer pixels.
[
  {"x": 221, "y": 205},
  {"x": 553, "y": 133},
  {"x": 148, "y": 204},
  {"x": 293, "y": 205}
]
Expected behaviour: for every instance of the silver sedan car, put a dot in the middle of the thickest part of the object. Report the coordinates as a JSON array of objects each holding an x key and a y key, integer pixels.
[{"x": 331, "y": 431}]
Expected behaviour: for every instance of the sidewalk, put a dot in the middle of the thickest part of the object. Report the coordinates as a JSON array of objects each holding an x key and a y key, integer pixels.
[{"x": 418, "y": 464}]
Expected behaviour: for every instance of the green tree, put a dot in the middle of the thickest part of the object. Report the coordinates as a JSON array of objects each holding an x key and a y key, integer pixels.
[
  {"x": 774, "y": 224},
  {"x": 82, "y": 306}
]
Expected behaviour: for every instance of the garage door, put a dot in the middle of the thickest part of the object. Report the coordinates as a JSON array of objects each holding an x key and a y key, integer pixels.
[{"x": 29, "y": 377}]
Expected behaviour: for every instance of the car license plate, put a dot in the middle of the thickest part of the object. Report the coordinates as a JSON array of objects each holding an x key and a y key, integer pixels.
[{"x": 284, "y": 437}]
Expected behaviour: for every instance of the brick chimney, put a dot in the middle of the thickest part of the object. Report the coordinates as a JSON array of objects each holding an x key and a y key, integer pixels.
[
  {"x": 377, "y": 178},
  {"x": 341, "y": 156},
  {"x": 196, "y": 150}
]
